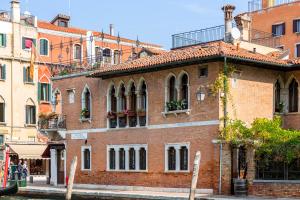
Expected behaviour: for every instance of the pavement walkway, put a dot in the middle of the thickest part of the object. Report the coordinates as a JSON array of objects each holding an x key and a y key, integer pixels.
[{"x": 120, "y": 194}]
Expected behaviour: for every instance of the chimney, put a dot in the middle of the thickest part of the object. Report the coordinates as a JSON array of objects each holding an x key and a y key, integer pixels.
[
  {"x": 228, "y": 11},
  {"x": 112, "y": 30},
  {"x": 15, "y": 11},
  {"x": 267, "y": 3}
]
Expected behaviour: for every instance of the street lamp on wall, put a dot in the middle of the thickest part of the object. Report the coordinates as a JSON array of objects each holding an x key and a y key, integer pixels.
[{"x": 200, "y": 95}]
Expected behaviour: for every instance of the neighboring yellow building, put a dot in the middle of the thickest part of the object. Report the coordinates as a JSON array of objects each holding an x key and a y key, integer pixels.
[{"x": 18, "y": 90}]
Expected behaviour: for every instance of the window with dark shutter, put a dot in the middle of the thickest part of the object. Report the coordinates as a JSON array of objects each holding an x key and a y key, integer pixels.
[
  {"x": 112, "y": 159},
  {"x": 2, "y": 110},
  {"x": 172, "y": 89},
  {"x": 2, "y": 40},
  {"x": 171, "y": 159},
  {"x": 296, "y": 26},
  {"x": 30, "y": 114},
  {"x": 122, "y": 159},
  {"x": 185, "y": 91},
  {"x": 131, "y": 159},
  {"x": 277, "y": 96},
  {"x": 44, "y": 47},
  {"x": 183, "y": 158},
  {"x": 297, "y": 50},
  {"x": 86, "y": 159},
  {"x": 2, "y": 72},
  {"x": 143, "y": 159}
]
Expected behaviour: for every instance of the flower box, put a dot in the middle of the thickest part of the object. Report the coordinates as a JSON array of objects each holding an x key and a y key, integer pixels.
[
  {"x": 131, "y": 113},
  {"x": 111, "y": 115}
]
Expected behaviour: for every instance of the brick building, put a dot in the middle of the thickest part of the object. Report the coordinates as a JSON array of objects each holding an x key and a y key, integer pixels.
[
  {"x": 281, "y": 19},
  {"x": 144, "y": 119}
]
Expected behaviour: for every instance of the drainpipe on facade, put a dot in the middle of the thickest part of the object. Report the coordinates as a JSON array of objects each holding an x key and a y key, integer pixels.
[{"x": 224, "y": 121}]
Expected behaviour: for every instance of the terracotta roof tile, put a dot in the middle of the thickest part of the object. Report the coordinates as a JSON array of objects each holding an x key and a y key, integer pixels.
[
  {"x": 218, "y": 48},
  {"x": 49, "y": 26}
]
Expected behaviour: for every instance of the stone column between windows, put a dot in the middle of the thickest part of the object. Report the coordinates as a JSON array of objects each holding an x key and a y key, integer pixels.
[
  {"x": 127, "y": 108},
  {"x": 177, "y": 148},
  {"x": 284, "y": 97},
  {"x": 137, "y": 158},
  {"x": 126, "y": 158},
  {"x": 117, "y": 149},
  {"x": 138, "y": 106},
  {"x": 118, "y": 109}
]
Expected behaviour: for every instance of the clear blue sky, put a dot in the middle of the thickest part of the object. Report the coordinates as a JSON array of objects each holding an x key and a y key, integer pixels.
[{"x": 153, "y": 21}]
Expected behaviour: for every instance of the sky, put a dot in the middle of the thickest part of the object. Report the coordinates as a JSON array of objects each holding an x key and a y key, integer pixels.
[{"x": 152, "y": 21}]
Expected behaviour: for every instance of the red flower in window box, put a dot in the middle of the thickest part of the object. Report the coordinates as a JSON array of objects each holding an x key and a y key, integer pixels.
[
  {"x": 131, "y": 113},
  {"x": 111, "y": 115}
]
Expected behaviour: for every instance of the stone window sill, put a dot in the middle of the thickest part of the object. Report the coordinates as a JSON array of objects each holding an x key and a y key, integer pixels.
[
  {"x": 85, "y": 120},
  {"x": 177, "y": 171},
  {"x": 176, "y": 112},
  {"x": 124, "y": 128},
  {"x": 2, "y": 80},
  {"x": 128, "y": 171},
  {"x": 29, "y": 83},
  {"x": 44, "y": 102},
  {"x": 30, "y": 125},
  {"x": 2, "y": 124},
  {"x": 277, "y": 181}
]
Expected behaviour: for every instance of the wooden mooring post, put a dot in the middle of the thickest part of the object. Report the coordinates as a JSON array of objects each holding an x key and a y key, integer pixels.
[
  {"x": 71, "y": 178},
  {"x": 195, "y": 175}
]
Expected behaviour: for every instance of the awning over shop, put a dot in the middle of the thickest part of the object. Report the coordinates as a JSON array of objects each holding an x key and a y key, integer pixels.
[{"x": 28, "y": 151}]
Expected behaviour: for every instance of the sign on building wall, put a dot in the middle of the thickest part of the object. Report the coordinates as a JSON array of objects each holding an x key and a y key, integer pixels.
[{"x": 79, "y": 136}]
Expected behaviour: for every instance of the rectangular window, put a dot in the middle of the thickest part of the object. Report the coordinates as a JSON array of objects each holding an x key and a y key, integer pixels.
[
  {"x": 26, "y": 75},
  {"x": 278, "y": 29},
  {"x": 77, "y": 52},
  {"x": 27, "y": 43},
  {"x": 71, "y": 96},
  {"x": 177, "y": 157},
  {"x": 203, "y": 72},
  {"x": 44, "y": 47},
  {"x": 45, "y": 92},
  {"x": 86, "y": 158},
  {"x": 296, "y": 26},
  {"x": 2, "y": 72},
  {"x": 30, "y": 115},
  {"x": 127, "y": 157},
  {"x": 2, "y": 112},
  {"x": 297, "y": 51},
  {"x": 1, "y": 139},
  {"x": 2, "y": 40},
  {"x": 98, "y": 54}
]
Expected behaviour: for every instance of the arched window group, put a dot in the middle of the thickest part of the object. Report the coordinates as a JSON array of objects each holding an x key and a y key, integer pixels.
[
  {"x": 127, "y": 158},
  {"x": 288, "y": 99},
  {"x": 127, "y": 106},
  {"x": 177, "y": 92},
  {"x": 86, "y": 104},
  {"x": 177, "y": 157}
]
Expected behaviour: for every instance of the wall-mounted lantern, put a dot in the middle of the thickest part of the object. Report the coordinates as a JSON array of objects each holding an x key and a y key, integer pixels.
[{"x": 200, "y": 96}]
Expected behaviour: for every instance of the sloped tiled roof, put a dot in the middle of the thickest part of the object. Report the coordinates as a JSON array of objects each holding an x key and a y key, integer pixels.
[
  {"x": 49, "y": 26},
  {"x": 213, "y": 49}
]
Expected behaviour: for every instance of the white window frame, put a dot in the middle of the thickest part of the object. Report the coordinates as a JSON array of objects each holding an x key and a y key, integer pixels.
[
  {"x": 69, "y": 91},
  {"x": 177, "y": 147},
  {"x": 74, "y": 52},
  {"x": 126, "y": 147},
  {"x": 47, "y": 46},
  {"x": 86, "y": 87},
  {"x": 82, "y": 157}
]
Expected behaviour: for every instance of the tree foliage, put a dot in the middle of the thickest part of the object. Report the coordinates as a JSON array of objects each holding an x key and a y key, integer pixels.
[{"x": 266, "y": 136}]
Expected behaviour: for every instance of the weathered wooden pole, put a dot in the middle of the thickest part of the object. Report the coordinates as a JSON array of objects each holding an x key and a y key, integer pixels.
[
  {"x": 195, "y": 175},
  {"x": 71, "y": 178}
]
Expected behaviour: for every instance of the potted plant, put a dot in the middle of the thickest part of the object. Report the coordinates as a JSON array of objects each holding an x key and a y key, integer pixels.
[
  {"x": 111, "y": 115},
  {"x": 172, "y": 105},
  {"x": 141, "y": 112},
  {"x": 131, "y": 113},
  {"x": 122, "y": 113},
  {"x": 85, "y": 113}
]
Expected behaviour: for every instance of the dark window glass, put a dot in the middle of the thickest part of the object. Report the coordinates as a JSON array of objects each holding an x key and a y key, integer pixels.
[
  {"x": 87, "y": 159},
  {"x": 123, "y": 98},
  {"x": 144, "y": 96},
  {"x": 2, "y": 112},
  {"x": 30, "y": 115},
  {"x": 77, "y": 52},
  {"x": 171, "y": 158},
  {"x": 122, "y": 159},
  {"x": 131, "y": 159},
  {"x": 1, "y": 139},
  {"x": 45, "y": 92},
  {"x": 132, "y": 98},
  {"x": 44, "y": 47},
  {"x": 107, "y": 56},
  {"x": 278, "y": 29},
  {"x": 112, "y": 159},
  {"x": 293, "y": 96},
  {"x": 184, "y": 158},
  {"x": 277, "y": 96},
  {"x": 296, "y": 26},
  {"x": 203, "y": 72},
  {"x": 298, "y": 50},
  {"x": 98, "y": 53},
  {"x": 143, "y": 159},
  {"x": 62, "y": 23},
  {"x": 172, "y": 89},
  {"x": 113, "y": 100},
  {"x": 185, "y": 90}
]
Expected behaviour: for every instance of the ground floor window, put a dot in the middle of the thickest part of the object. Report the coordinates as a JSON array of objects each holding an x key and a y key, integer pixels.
[
  {"x": 86, "y": 158},
  {"x": 177, "y": 157},
  {"x": 270, "y": 169},
  {"x": 127, "y": 157},
  {"x": 37, "y": 167}
]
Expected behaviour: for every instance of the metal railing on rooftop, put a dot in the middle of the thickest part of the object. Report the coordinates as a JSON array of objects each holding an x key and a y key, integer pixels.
[{"x": 199, "y": 36}]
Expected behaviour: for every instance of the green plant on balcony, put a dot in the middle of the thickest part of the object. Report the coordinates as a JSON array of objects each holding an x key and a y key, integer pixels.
[
  {"x": 176, "y": 105},
  {"x": 85, "y": 113}
]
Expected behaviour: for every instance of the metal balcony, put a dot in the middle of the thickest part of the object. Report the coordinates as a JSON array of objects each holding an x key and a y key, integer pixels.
[{"x": 53, "y": 124}]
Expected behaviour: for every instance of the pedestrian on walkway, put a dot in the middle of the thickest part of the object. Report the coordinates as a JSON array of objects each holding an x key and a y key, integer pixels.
[
  {"x": 19, "y": 169},
  {"x": 25, "y": 170}
]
